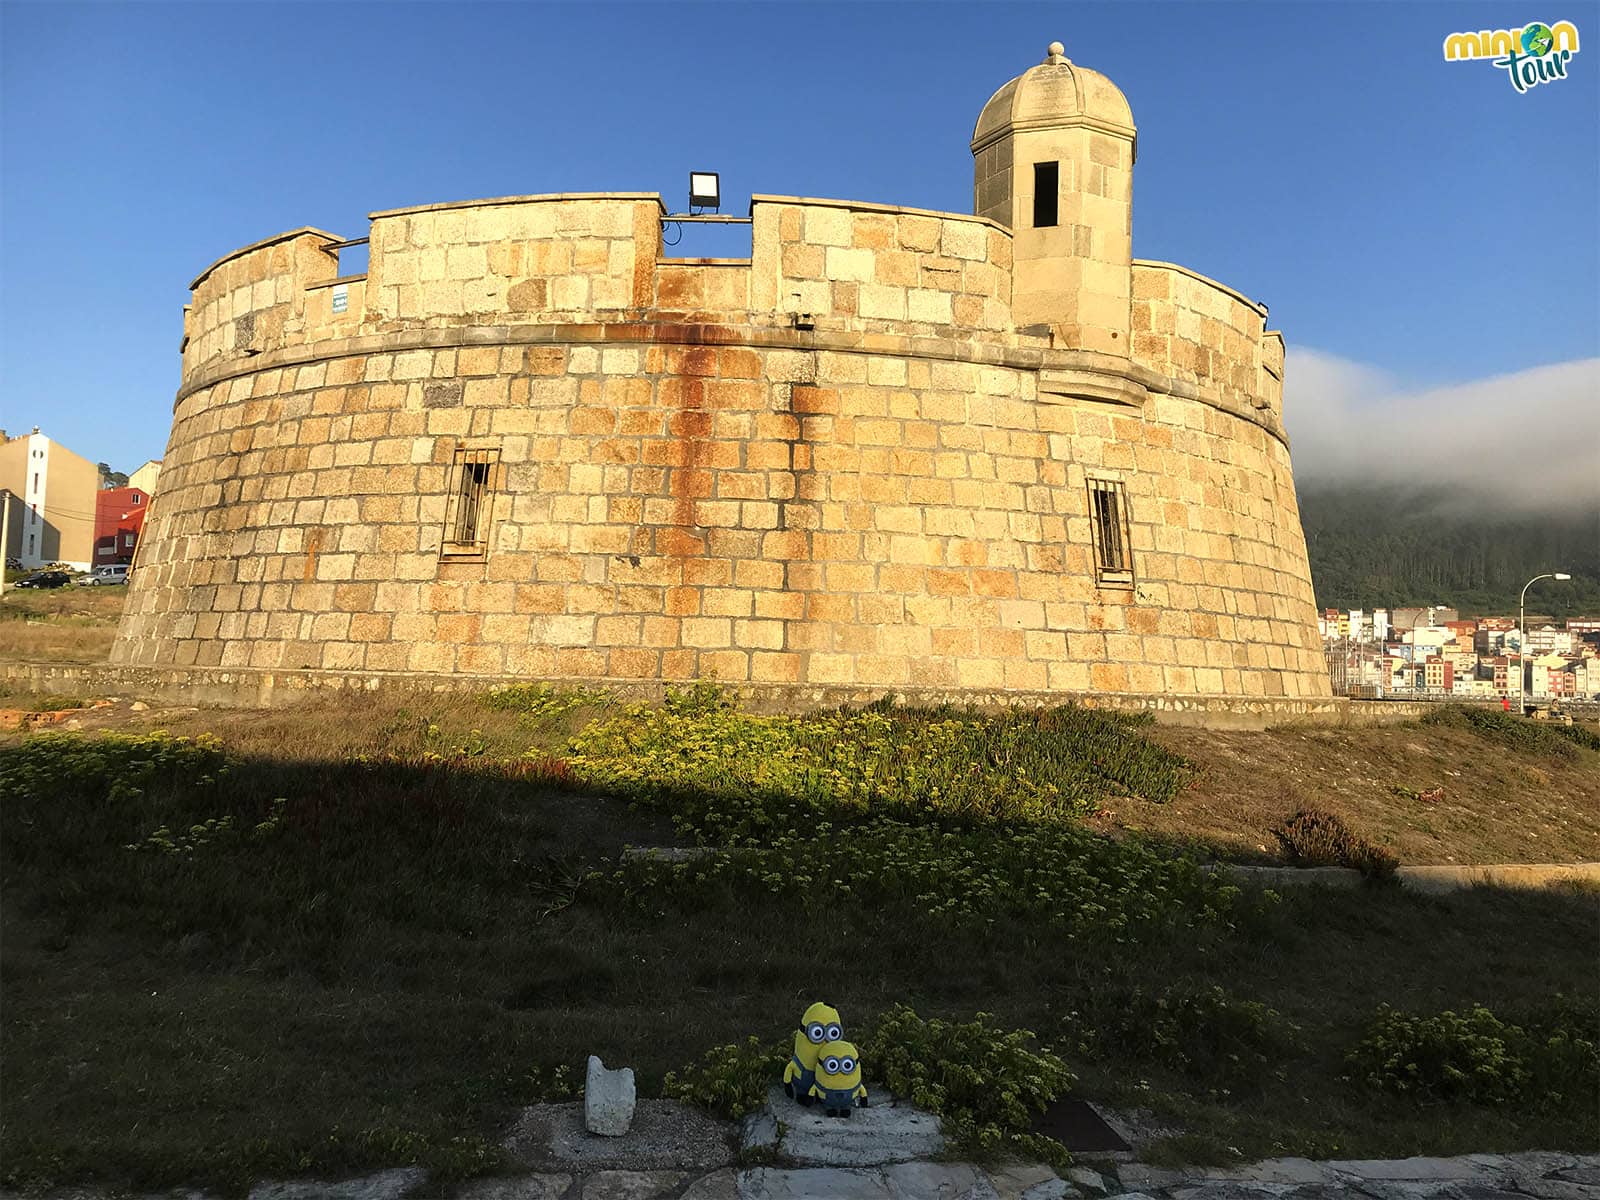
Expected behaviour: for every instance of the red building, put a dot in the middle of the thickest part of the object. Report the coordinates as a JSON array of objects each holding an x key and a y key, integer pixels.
[{"x": 118, "y": 518}]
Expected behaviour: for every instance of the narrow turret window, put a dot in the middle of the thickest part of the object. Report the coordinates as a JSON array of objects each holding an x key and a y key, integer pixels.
[
  {"x": 1046, "y": 185},
  {"x": 1108, "y": 526},
  {"x": 469, "y": 504}
]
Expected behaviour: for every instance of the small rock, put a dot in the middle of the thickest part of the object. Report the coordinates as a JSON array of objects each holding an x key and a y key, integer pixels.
[
  {"x": 138, "y": 706},
  {"x": 1053, "y": 1189},
  {"x": 608, "y": 1099}
]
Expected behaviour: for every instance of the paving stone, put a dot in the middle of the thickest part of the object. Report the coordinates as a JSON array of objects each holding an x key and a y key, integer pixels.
[
  {"x": 814, "y": 1183},
  {"x": 1444, "y": 1169},
  {"x": 719, "y": 1185},
  {"x": 938, "y": 1181},
  {"x": 759, "y": 1131},
  {"x": 1014, "y": 1180},
  {"x": 1142, "y": 1176},
  {"x": 632, "y": 1185},
  {"x": 1230, "y": 1189},
  {"x": 884, "y": 1133},
  {"x": 665, "y": 1135},
  {"x": 1277, "y": 1170},
  {"x": 1558, "y": 1189},
  {"x": 517, "y": 1187},
  {"x": 385, "y": 1185}
]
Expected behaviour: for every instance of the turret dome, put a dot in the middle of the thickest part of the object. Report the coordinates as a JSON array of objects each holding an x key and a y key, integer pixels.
[{"x": 1054, "y": 94}]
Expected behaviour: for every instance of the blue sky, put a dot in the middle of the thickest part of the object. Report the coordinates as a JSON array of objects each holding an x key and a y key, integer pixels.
[{"x": 1416, "y": 217}]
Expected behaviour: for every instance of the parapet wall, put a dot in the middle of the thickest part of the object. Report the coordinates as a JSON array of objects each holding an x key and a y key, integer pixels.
[{"x": 836, "y": 464}]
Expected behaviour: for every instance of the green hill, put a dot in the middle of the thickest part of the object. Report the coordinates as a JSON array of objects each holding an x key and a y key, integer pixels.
[{"x": 1386, "y": 546}]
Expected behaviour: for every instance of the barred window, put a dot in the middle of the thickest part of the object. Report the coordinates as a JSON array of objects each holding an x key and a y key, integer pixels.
[
  {"x": 469, "y": 504},
  {"x": 1108, "y": 523}
]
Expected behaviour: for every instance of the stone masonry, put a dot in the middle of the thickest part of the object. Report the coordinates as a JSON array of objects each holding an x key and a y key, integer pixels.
[{"x": 862, "y": 457}]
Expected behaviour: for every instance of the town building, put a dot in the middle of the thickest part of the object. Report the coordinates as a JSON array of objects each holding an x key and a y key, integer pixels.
[
  {"x": 146, "y": 476},
  {"x": 119, "y": 517},
  {"x": 52, "y": 518}
]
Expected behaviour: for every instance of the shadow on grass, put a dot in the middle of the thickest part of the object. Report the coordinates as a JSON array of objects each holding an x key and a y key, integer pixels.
[{"x": 324, "y": 967}]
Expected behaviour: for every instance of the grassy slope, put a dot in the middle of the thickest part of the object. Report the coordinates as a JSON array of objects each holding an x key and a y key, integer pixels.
[
  {"x": 378, "y": 984},
  {"x": 68, "y": 624}
]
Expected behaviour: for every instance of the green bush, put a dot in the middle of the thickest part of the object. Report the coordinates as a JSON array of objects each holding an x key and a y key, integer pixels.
[
  {"x": 730, "y": 1080},
  {"x": 987, "y": 1084},
  {"x": 734, "y": 777},
  {"x": 1448, "y": 1056},
  {"x": 543, "y": 701},
  {"x": 1315, "y": 838},
  {"x": 1227, "y": 1044},
  {"x": 1063, "y": 878}
]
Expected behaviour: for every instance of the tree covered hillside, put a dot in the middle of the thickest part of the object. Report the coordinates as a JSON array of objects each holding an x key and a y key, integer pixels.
[{"x": 1387, "y": 546}]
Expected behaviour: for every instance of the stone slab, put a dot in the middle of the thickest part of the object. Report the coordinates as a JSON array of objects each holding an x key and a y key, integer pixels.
[
  {"x": 632, "y": 1185},
  {"x": 665, "y": 1135},
  {"x": 384, "y": 1185},
  {"x": 884, "y": 1132},
  {"x": 938, "y": 1181},
  {"x": 719, "y": 1185},
  {"x": 817, "y": 1183},
  {"x": 1014, "y": 1180},
  {"x": 517, "y": 1187}
]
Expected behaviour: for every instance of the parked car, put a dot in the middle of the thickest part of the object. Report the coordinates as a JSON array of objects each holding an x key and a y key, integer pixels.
[
  {"x": 45, "y": 579},
  {"x": 100, "y": 576}
]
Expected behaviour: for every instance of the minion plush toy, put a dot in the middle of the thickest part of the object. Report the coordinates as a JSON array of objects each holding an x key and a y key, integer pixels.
[
  {"x": 819, "y": 1024},
  {"x": 838, "y": 1085}
]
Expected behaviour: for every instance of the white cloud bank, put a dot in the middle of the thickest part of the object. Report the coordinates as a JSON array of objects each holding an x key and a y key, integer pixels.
[{"x": 1530, "y": 439}]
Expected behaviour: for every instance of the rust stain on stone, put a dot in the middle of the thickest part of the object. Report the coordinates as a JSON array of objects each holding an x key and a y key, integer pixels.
[{"x": 313, "y": 548}]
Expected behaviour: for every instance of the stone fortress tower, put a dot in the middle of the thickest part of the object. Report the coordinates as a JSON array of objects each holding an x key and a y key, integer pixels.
[{"x": 891, "y": 450}]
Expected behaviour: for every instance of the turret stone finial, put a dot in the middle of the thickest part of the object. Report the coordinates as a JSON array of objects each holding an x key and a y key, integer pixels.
[{"x": 1055, "y": 53}]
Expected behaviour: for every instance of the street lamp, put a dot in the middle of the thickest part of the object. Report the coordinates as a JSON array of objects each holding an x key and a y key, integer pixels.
[{"x": 1522, "y": 632}]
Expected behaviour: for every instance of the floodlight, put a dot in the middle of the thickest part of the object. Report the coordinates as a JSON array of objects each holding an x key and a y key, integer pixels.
[{"x": 705, "y": 190}]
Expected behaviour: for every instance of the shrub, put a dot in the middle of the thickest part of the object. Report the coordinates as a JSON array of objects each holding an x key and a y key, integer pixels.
[
  {"x": 1562, "y": 1048},
  {"x": 1315, "y": 838},
  {"x": 1228, "y": 1044},
  {"x": 1447, "y": 1056},
  {"x": 730, "y": 1080},
  {"x": 985, "y": 1083}
]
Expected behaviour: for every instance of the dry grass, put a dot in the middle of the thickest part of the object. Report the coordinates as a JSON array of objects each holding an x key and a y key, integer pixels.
[
  {"x": 69, "y": 624},
  {"x": 1498, "y": 806}
]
